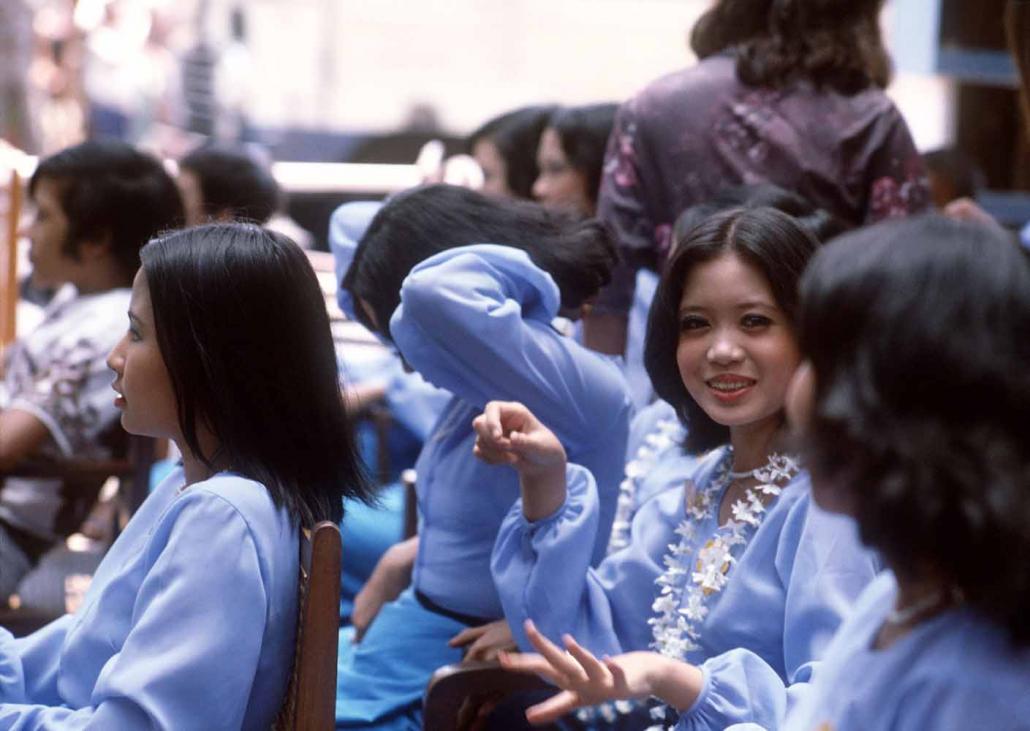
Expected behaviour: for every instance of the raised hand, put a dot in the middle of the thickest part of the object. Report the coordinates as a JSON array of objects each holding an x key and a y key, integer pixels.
[{"x": 508, "y": 433}]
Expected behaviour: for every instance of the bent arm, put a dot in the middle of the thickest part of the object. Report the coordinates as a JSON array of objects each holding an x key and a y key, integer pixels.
[
  {"x": 190, "y": 656},
  {"x": 21, "y": 434},
  {"x": 823, "y": 568},
  {"x": 542, "y": 572},
  {"x": 476, "y": 321}
]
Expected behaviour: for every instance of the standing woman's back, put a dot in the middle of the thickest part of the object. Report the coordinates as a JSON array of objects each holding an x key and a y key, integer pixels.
[{"x": 788, "y": 92}]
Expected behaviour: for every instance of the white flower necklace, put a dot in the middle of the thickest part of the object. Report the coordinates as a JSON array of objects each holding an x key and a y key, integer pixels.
[
  {"x": 684, "y": 591},
  {"x": 667, "y": 434}
]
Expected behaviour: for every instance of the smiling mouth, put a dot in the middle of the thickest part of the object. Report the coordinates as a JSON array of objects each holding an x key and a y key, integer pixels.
[{"x": 729, "y": 385}]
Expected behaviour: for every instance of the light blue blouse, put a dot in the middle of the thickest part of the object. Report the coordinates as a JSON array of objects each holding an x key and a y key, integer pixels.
[
  {"x": 786, "y": 594},
  {"x": 954, "y": 672},
  {"x": 189, "y": 622},
  {"x": 475, "y": 321}
]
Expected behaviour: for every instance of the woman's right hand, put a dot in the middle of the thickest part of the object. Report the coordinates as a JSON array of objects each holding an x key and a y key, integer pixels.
[
  {"x": 389, "y": 578},
  {"x": 508, "y": 433}
]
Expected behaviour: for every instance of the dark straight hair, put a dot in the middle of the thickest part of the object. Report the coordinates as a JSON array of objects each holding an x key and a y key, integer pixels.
[
  {"x": 834, "y": 43},
  {"x": 110, "y": 189},
  {"x": 917, "y": 334},
  {"x": 242, "y": 326},
  {"x": 584, "y": 133},
  {"x": 233, "y": 182},
  {"x": 516, "y": 135},
  {"x": 766, "y": 238},
  {"x": 413, "y": 226}
]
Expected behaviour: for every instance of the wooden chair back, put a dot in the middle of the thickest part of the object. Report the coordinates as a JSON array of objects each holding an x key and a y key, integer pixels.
[
  {"x": 310, "y": 703},
  {"x": 9, "y": 260},
  {"x": 460, "y": 696}
]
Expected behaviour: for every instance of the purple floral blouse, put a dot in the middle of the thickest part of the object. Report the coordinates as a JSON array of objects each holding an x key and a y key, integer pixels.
[{"x": 693, "y": 132}]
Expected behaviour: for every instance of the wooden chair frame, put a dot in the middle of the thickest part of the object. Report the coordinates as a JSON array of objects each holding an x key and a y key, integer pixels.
[
  {"x": 9, "y": 262},
  {"x": 310, "y": 703}
]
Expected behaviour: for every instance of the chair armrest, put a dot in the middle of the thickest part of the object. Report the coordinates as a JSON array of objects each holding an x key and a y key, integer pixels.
[{"x": 457, "y": 693}]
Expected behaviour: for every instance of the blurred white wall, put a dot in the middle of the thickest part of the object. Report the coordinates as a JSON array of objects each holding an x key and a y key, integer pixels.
[{"x": 363, "y": 64}]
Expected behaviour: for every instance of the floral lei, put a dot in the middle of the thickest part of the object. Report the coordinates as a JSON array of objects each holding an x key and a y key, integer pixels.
[
  {"x": 667, "y": 434},
  {"x": 684, "y": 590}
]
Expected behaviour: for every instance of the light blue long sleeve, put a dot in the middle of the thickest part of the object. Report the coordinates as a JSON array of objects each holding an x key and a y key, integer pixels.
[
  {"x": 188, "y": 624},
  {"x": 490, "y": 307},
  {"x": 786, "y": 594},
  {"x": 953, "y": 672},
  {"x": 475, "y": 321}
]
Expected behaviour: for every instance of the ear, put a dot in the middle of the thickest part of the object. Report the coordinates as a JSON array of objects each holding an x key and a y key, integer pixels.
[{"x": 95, "y": 247}]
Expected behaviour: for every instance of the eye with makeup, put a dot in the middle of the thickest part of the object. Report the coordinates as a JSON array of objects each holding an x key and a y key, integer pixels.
[
  {"x": 754, "y": 321},
  {"x": 692, "y": 322}
]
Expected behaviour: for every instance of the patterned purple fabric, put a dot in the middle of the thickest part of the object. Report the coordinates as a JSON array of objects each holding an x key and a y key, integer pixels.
[{"x": 695, "y": 131}]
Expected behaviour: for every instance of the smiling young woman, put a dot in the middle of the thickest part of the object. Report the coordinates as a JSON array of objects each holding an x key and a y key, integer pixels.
[{"x": 730, "y": 584}]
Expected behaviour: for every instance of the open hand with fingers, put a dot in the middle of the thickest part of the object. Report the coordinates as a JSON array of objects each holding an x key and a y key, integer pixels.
[
  {"x": 508, "y": 433},
  {"x": 585, "y": 680}
]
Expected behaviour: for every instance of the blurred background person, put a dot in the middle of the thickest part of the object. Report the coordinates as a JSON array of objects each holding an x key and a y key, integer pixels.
[
  {"x": 223, "y": 181},
  {"x": 506, "y": 149},
  {"x": 786, "y": 91},
  {"x": 570, "y": 156}
]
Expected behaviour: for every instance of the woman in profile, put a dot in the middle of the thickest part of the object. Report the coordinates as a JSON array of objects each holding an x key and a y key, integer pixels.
[
  {"x": 913, "y": 400},
  {"x": 190, "y": 620}
]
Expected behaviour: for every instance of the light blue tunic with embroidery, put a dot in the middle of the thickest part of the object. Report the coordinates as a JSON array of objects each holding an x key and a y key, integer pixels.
[
  {"x": 759, "y": 637},
  {"x": 189, "y": 622},
  {"x": 953, "y": 672}
]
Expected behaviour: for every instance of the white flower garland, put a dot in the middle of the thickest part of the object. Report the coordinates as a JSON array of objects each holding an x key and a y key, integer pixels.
[
  {"x": 685, "y": 590},
  {"x": 667, "y": 434}
]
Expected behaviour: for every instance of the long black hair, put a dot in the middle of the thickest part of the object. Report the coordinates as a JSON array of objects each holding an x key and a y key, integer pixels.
[
  {"x": 244, "y": 333},
  {"x": 835, "y": 43},
  {"x": 416, "y": 224},
  {"x": 777, "y": 245},
  {"x": 917, "y": 334}
]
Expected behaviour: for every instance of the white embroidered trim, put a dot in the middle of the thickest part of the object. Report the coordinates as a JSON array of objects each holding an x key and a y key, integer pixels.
[{"x": 685, "y": 590}]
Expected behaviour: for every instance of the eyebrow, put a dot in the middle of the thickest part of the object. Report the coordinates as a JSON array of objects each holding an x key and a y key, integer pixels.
[
  {"x": 134, "y": 318},
  {"x": 749, "y": 305}
]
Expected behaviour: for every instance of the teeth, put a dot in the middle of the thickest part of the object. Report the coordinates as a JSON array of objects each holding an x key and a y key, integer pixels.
[{"x": 728, "y": 385}]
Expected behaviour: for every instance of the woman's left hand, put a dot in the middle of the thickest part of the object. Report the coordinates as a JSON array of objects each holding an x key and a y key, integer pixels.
[
  {"x": 584, "y": 680},
  {"x": 484, "y": 642}
]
